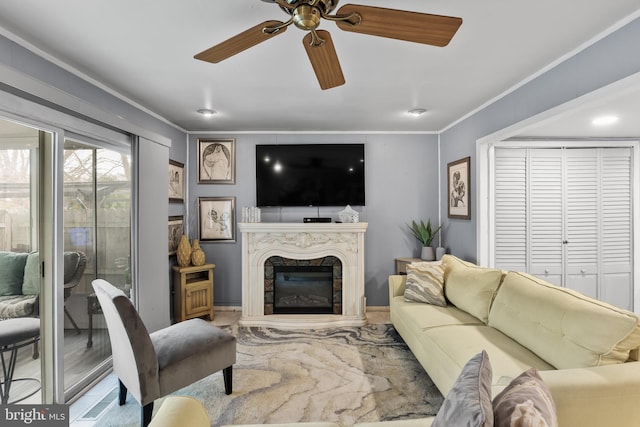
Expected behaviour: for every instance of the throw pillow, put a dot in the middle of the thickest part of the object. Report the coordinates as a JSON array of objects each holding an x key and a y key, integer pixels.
[
  {"x": 31, "y": 280},
  {"x": 468, "y": 403},
  {"x": 11, "y": 272},
  {"x": 469, "y": 287},
  {"x": 425, "y": 283},
  {"x": 525, "y": 402}
]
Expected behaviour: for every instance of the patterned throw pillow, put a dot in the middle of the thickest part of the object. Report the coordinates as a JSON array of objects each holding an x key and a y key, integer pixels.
[
  {"x": 525, "y": 402},
  {"x": 425, "y": 283},
  {"x": 468, "y": 403}
]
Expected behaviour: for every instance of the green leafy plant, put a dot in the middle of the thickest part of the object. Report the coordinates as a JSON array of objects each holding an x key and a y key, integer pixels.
[{"x": 424, "y": 233}]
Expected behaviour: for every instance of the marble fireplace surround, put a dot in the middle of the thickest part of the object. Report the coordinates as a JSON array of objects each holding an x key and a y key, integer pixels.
[{"x": 303, "y": 241}]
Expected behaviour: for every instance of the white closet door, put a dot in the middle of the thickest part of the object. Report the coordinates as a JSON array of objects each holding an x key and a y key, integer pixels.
[
  {"x": 582, "y": 216},
  {"x": 616, "y": 274},
  {"x": 566, "y": 215},
  {"x": 546, "y": 214},
  {"x": 511, "y": 209}
]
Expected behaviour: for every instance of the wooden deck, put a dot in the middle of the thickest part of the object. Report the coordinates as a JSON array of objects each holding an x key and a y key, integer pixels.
[{"x": 79, "y": 362}]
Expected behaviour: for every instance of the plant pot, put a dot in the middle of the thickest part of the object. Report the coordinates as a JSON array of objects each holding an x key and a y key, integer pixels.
[
  {"x": 183, "y": 253},
  {"x": 428, "y": 253}
]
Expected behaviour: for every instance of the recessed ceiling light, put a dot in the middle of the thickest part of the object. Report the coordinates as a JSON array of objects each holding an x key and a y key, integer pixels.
[
  {"x": 604, "y": 120},
  {"x": 207, "y": 112},
  {"x": 417, "y": 111}
]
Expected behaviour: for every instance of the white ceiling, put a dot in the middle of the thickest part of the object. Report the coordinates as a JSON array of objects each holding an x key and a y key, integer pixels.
[{"x": 144, "y": 51}]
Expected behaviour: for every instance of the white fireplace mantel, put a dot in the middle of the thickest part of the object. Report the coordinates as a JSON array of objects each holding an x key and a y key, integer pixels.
[{"x": 260, "y": 241}]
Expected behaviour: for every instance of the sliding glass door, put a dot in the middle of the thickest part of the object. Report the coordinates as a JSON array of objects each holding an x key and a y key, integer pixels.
[
  {"x": 20, "y": 239},
  {"x": 97, "y": 227},
  {"x": 70, "y": 207}
]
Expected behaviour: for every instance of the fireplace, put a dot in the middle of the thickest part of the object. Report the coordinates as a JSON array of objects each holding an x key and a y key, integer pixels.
[
  {"x": 297, "y": 244},
  {"x": 311, "y": 286}
]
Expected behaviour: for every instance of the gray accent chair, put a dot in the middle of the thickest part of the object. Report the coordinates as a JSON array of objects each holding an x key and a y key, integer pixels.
[{"x": 153, "y": 365}]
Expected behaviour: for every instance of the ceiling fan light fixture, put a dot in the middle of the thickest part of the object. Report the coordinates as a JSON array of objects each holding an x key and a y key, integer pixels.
[
  {"x": 417, "y": 112},
  {"x": 206, "y": 112}
]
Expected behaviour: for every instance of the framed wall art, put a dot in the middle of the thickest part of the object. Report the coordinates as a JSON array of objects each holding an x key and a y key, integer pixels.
[
  {"x": 216, "y": 161},
  {"x": 176, "y": 230},
  {"x": 459, "y": 184},
  {"x": 176, "y": 181},
  {"x": 217, "y": 219}
]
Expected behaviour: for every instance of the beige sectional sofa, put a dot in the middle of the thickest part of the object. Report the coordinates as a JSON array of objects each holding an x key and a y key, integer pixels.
[{"x": 586, "y": 351}]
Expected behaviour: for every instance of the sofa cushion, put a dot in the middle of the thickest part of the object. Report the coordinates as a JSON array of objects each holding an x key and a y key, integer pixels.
[
  {"x": 425, "y": 283},
  {"x": 468, "y": 403},
  {"x": 444, "y": 351},
  {"x": 12, "y": 306},
  {"x": 564, "y": 327},
  {"x": 470, "y": 287},
  {"x": 525, "y": 402},
  {"x": 31, "y": 278},
  {"x": 11, "y": 272}
]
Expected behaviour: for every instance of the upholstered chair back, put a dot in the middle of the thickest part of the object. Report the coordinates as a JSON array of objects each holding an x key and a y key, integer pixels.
[{"x": 134, "y": 358}]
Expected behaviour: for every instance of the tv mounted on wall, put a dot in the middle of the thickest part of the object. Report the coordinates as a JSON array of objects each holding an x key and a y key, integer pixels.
[{"x": 310, "y": 175}]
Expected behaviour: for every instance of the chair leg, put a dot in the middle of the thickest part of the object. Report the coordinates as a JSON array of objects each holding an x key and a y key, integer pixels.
[
  {"x": 73, "y": 322},
  {"x": 147, "y": 411},
  {"x": 227, "y": 374},
  {"x": 122, "y": 396}
]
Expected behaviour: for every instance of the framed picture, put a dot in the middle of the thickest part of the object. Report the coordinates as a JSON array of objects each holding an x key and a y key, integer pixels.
[
  {"x": 217, "y": 219},
  {"x": 176, "y": 230},
  {"x": 458, "y": 184},
  {"x": 216, "y": 161},
  {"x": 176, "y": 181}
]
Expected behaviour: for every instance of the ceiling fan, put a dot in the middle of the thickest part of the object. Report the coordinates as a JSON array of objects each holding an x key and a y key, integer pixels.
[{"x": 307, "y": 15}]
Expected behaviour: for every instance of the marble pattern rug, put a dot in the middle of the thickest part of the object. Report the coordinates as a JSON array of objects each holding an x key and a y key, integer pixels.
[{"x": 344, "y": 375}]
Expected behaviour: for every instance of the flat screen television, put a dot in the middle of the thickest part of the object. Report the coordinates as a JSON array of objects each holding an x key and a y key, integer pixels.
[{"x": 310, "y": 175}]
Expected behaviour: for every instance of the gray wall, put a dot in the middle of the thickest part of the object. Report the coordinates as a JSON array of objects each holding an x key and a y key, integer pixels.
[
  {"x": 607, "y": 61},
  {"x": 401, "y": 185}
]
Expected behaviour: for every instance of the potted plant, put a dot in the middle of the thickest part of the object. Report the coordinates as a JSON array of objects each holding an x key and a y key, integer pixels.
[{"x": 425, "y": 234}]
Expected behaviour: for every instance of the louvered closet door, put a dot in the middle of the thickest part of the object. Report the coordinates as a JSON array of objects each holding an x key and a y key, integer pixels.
[
  {"x": 565, "y": 215},
  {"x": 616, "y": 274},
  {"x": 545, "y": 220},
  {"x": 582, "y": 220},
  {"x": 511, "y": 249}
]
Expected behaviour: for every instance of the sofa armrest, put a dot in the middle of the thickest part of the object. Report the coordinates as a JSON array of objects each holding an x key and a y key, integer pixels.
[
  {"x": 396, "y": 286},
  {"x": 604, "y": 395}
]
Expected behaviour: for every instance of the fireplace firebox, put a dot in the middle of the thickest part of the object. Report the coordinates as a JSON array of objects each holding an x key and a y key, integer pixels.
[
  {"x": 312, "y": 286},
  {"x": 302, "y": 289}
]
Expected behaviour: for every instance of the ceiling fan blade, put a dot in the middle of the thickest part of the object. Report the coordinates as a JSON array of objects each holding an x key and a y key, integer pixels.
[
  {"x": 324, "y": 60},
  {"x": 436, "y": 30},
  {"x": 240, "y": 42}
]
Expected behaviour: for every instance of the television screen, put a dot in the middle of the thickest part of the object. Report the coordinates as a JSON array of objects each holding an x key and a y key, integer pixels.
[{"x": 310, "y": 175}]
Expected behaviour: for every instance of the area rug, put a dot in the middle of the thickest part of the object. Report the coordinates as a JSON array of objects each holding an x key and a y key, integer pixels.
[{"x": 345, "y": 375}]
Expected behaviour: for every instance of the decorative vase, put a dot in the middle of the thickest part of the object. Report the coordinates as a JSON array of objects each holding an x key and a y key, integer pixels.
[
  {"x": 428, "y": 254},
  {"x": 440, "y": 251},
  {"x": 198, "y": 257},
  {"x": 183, "y": 253}
]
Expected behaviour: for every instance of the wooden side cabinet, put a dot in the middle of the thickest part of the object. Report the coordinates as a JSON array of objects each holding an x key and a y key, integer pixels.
[
  {"x": 401, "y": 264},
  {"x": 193, "y": 291}
]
